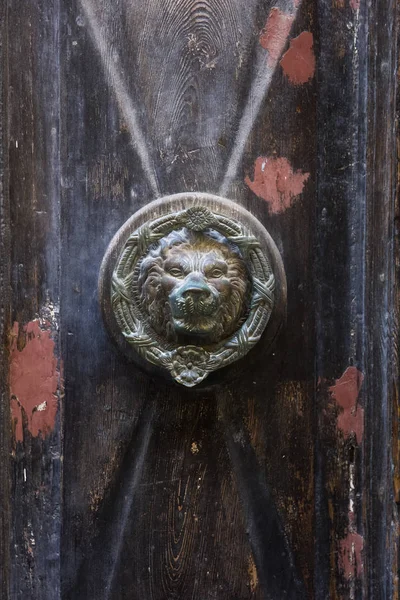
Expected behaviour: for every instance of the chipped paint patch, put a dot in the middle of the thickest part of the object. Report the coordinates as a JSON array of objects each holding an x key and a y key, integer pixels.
[
  {"x": 345, "y": 392},
  {"x": 298, "y": 63},
  {"x": 276, "y": 182},
  {"x": 194, "y": 448},
  {"x": 350, "y": 555},
  {"x": 34, "y": 379},
  {"x": 275, "y": 33},
  {"x": 252, "y": 571}
]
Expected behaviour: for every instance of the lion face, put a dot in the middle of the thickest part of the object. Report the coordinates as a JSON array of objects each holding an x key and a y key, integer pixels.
[{"x": 194, "y": 287}]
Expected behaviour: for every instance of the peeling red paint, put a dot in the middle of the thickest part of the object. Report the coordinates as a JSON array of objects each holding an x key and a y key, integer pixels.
[
  {"x": 355, "y": 4},
  {"x": 345, "y": 392},
  {"x": 298, "y": 63},
  {"x": 275, "y": 33},
  {"x": 276, "y": 182},
  {"x": 350, "y": 555},
  {"x": 34, "y": 380}
]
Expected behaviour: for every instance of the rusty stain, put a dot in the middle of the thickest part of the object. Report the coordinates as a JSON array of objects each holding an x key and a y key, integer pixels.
[
  {"x": 276, "y": 182},
  {"x": 345, "y": 392},
  {"x": 273, "y": 36},
  {"x": 298, "y": 63},
  {"x": 34, "y": 379}
]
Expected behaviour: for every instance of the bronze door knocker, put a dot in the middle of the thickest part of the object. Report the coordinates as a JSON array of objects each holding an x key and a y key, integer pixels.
[{"x": 190, "y": 283}]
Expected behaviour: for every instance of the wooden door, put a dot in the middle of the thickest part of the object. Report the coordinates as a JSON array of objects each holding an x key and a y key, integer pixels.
[{"x": 282, "y": 481}]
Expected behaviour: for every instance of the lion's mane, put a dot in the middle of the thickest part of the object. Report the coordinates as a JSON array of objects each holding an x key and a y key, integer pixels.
[{"x": 154, "y": 298}]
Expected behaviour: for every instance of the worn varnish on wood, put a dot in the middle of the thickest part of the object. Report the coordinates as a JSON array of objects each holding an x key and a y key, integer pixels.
[
  {"x": 277, "y": 484},
  {"x": 31, "y": 211}
]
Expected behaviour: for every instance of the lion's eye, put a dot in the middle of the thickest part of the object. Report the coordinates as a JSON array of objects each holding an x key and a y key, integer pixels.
[
  {"x": 216, "y": 273},
  {"x": 176, "y": 272}
]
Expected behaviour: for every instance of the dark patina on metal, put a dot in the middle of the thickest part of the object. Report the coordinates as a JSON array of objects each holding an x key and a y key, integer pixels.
[{"x": 192, "y": 290}]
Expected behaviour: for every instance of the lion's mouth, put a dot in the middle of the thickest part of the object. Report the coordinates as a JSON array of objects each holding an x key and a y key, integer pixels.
[
  {"x": 196, "y": 325},
  {"x": 195, "y": 307},
  {"x": 195, "y": 315}
]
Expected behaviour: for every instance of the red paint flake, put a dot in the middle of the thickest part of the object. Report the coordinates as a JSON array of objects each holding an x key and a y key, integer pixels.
[
  {"x": 276, "y": 182},
  {"x": 298, "y": 63},
  {"x": 34, "y": 380},
  {"x": 275, "y": 33},
  {"x": 350, "y": 555},
  {"x": 345, "y": 392},
  {"x": 355, "y": 4}
]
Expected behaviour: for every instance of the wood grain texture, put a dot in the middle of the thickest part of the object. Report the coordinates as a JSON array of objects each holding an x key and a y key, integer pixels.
[
  {"x": 190, "y": 83},
  {"x": 5, "y": 307},
  {"x": 340, "y": 280},
  {"x": 396, "y": 346},
  {"x": 255, "y": 489},
  {"x": 33, "y": 154},
  {"x": 382, "y": 521},
  {"x": 395, "y": 364},
  {"x": 100, "y": 431},
  {"x": 355, "y": 303},
  {"x": 206, "y": 45}
]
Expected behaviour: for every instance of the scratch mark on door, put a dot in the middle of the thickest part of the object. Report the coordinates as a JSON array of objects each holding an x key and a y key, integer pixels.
[{"x": 112, "y": 68}]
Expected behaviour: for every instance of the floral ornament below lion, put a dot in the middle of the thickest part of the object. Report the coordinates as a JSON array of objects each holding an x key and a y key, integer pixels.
[{"x": 189, "y": 365}]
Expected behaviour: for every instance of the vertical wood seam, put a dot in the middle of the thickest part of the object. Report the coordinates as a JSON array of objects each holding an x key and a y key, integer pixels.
[
  {"x": 5, "y": 299},
  {"x": 381, "y": 368}
]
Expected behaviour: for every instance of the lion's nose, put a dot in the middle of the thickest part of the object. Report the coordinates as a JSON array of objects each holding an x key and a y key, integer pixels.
[
  {"x": 196, "y": 288},
  {"x": 196, "y": 291}
]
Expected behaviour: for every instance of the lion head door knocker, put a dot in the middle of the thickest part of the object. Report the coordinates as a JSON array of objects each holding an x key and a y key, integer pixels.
[{"x": 190, "y": 283}]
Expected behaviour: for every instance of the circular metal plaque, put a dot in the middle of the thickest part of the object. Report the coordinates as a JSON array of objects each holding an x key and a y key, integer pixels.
[{"x": 190, "y": 284}]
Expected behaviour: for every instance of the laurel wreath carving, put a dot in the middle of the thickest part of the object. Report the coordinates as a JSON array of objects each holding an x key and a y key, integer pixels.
[{"x": 189, "y": 365}]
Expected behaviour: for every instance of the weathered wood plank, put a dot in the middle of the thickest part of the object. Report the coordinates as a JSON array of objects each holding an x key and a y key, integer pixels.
[
  {"x": 340, "y": 299},
  {"x": 381, "y": 312},
  {"x": 5, "y": 305},
  {"x": 355, "y": 524},
  {"x": 34, "y": 372}
]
